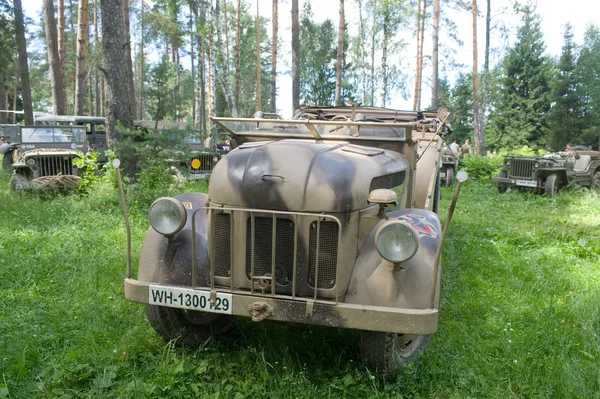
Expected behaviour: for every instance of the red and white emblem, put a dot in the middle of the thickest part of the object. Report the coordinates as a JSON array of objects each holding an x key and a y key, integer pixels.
[{"x": 422, "y": 226}]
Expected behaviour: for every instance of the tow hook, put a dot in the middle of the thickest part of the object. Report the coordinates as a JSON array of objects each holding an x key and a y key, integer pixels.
[{"x": 260, "y": 310}]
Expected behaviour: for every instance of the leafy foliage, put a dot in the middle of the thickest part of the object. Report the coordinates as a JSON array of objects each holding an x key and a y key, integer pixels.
[
  {"x": 480, "y": 168},
  {"x": 88, "y": 165}
]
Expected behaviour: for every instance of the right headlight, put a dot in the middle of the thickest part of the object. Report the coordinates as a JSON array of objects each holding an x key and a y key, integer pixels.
[
  {"x": 396, "y": 241},
  {"x": 167, "y": 216}
]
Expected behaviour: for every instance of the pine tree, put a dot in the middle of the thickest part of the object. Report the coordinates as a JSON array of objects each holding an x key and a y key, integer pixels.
[
  {"x": 565, "y": 121},
  {"x": 520, "y": 116}
]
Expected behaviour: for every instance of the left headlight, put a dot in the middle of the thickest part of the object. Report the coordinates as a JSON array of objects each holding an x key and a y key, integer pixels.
[
  {"x": 396, "y": 241},
  {"x": 30, "y": 161},
  {"x": 167, "y": 216}
]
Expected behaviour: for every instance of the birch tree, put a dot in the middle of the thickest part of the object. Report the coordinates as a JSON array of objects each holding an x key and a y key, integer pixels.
[
  {"x": 258, "y": 100},
  {"x": 434, "y": 54},
  {"x": 295, "y": 57},
  {"x": 223, "y": 60},
  {"x": 479, "y": 140}
]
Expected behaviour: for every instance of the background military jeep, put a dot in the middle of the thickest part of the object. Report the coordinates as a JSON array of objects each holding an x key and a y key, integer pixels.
[
  {"x": 45, "y": 157},
  {"x": 324, "y": 219},
  {"x": 548, "y": 173}
]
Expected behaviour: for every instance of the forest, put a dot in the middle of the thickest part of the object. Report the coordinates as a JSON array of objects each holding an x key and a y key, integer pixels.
[{"x": 188, "y": 60}]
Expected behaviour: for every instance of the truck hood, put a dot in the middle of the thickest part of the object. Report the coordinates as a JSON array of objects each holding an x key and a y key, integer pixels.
[{"x": 304, "y": 175}]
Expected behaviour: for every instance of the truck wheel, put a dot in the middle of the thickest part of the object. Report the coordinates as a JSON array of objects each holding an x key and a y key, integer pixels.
[
  {"x": 18, "y": 181},
  {"x": 596, "y": 181},
  {"x": 501, "y": 186},
  {"x": 388, "y": 353},
  {"x": 186, "y": 327},
  {"x": 551, "y": 186},
  {"x": 449, "y": 177},
  {"x": 7, "y": 160}
]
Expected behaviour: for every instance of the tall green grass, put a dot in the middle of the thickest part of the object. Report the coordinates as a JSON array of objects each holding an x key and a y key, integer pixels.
[{"x": 519, "y": 314}]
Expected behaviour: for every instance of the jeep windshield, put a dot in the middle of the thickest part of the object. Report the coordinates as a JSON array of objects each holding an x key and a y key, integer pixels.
[
  {"x": 333, "y": 129},
  {"x": 56, "y": 134}
]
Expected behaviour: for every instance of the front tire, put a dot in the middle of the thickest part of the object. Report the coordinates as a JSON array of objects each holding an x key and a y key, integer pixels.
[
  {"x": 551, "y": 185},
  {"x": 387, "y": 353},
  {"x": 449, "y": 177},
  {"x": 186, "y": 327},
  {"x": 501, "y": 187},
  {"x": 18, "y": 181},
  {"x": 596, "y": 181}
]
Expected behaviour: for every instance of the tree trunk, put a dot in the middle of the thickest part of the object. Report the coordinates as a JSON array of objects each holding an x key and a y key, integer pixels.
[
  {"x": 295, "y": 57},
  {"x": 361, "y": 41},
  {"x": 339, "y": 68},
  {"x": 141, "y": 88},
  {"x": 238, "y": 73},
  {"x": 128, "y": 60},
  {"x": 421, "y": 41},
  {"x": 211, "y": 69},
  {"x": 274, "y": 44},
  {"x": 57, "y": 83},
  {"x": 82, "y": 52},
  {"x": 486, "y": 70},
  {"x": 372, "y": 77},
  {"x": 479, "y": 143},
  {"x": 193, "y": 71},
  {"x": 418, "y": 55},
  {"x": 14, "y": 116},
  {"x": 3, "y": 102},
  {"x": 258, "y": 100},
  {"x": 23, "y": 65},
  {"x": 61, "y": 46},
  {"x": 74, "y": 51},
  {"x": 224, "y": 69},
  {"x": 115, "y": 70},
  {"x": 97, "y": 97},
  {"x": 434, "y": 56},
  {"x": 384, "y": 77}
]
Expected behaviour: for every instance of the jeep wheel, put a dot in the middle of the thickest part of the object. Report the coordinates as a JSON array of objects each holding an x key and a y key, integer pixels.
[
  {"x": 501, "y": 186},
  {"x": 388, "y": 353},
  {"x": 18, "y": 181},
  {"x": 7, "y": 160},
  {"x": 551, "y": 186},
  {"x": 449, "y": 177},
  {"x": 596, "y": 181},
  {"x": 186, "y": 327}
]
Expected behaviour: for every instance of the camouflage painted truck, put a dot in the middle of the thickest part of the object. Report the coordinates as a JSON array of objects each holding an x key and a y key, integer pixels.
[
  {"x": 327, "y": 219},
  {"x": 44, "y": 158},
  {"x": 547, "y": 174}
]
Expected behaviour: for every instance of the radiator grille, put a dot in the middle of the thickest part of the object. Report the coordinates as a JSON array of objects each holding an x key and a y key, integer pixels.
[
  {"x": 328, "y": 250},
  {"x": 521, "y": 168},
  {"x": 222, "y": 245},
  {"x": 387, "y": 181},
  {"x": 207, "y": 163},
  {"x": 54, "y": 165},
  {"x": 284, "y": 248}
]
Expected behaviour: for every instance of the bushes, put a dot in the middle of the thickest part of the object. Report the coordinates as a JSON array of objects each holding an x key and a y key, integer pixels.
[{"x": 480, "y": 168}]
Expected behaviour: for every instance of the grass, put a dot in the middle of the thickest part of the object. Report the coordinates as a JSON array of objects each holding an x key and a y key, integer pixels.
[{"x": 519, "y": 315}]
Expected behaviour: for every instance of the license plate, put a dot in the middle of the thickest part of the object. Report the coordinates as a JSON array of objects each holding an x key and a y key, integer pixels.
[
  {"x": 527, "y": 183},
  {"x": 185, "y": 298},
  {"x": 197, "y": 176}
]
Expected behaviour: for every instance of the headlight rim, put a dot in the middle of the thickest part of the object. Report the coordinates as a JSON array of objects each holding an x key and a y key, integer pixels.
[
  {"x": 182, "y": 213},
  {"x": 403, "y": 223},
  {"x": 31, "y": 162}
]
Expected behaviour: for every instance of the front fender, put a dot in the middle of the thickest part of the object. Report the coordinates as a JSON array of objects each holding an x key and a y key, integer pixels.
[
  {"x": 376, "y": 281},
  {"x": 164, "y": 263},
  {"x": 7, "y": 147}
]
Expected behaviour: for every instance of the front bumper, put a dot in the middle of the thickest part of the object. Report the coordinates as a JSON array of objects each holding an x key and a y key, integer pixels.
[
  {"x": 360, "y": 317},
  {"x": 515, "y": 182}
]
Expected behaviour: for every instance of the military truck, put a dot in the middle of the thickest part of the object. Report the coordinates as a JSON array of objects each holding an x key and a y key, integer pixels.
[
  {"x": 328, "y": 218},
  {"x": 449, "y": 167},
  {"x": 547, "y": 174},
  {"x": 45, "y": 157}
]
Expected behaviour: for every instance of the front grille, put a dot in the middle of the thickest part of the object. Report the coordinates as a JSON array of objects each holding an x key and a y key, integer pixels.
[
  {"x": 387, "y": 181},
  {"x": 222, "y": 245},
  {"x": 327, "y": 254},
  {"x": 53, "y": 165},
  {"x": 263, "y": 248},
  {"x": 521, "y": 168},
  {"x": 207, "y": 163}
]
